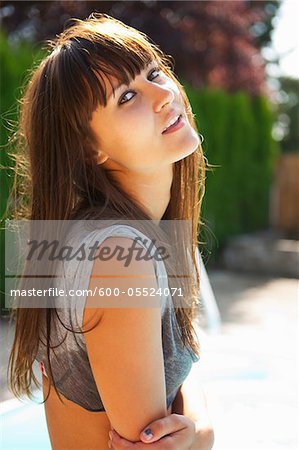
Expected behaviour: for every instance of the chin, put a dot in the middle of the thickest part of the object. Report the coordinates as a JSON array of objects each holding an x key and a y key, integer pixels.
[{"x": 189, "y": 146}]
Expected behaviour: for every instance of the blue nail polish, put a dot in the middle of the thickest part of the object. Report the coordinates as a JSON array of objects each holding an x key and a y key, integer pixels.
[{"x": 148, "y": 434}]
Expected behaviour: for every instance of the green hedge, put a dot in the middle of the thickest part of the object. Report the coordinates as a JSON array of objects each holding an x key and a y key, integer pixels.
[
  {"x": 16, "y": 60},
  {"x": 237, "y": 130}
]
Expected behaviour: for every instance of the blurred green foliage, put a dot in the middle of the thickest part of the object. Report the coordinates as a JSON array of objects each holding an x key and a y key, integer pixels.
[
  {"x": 16, "y": 61},
  {"x": 238, "y": 140}
]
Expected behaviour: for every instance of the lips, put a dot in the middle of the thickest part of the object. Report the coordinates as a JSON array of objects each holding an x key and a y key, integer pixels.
[
  {"x": 177, "y": 125},
  {"x": 171, "y": 120},
  {"x": 172, "y": 125}
]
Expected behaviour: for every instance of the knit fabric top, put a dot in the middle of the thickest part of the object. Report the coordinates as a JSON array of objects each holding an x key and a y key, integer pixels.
[{"x": 69, "y": 359}]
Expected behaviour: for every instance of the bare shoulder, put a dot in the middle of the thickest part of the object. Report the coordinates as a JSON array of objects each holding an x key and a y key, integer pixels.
[{"x": 119, "y": 266}]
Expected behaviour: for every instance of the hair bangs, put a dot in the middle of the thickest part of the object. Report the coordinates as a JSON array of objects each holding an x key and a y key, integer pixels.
[
  {"x": 122, "y": 64},
  {"x": 97, "y": 58}
]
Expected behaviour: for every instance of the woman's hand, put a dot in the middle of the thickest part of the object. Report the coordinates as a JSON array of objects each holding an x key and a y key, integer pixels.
[{"x": 173, "y": 432}]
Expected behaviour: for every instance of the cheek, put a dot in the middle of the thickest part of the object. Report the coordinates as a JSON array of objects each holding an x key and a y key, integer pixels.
[
  {"x": 129, "y": 143},
  {"x": 132, "y": 138},
  {"x": 136, "y": 128}
]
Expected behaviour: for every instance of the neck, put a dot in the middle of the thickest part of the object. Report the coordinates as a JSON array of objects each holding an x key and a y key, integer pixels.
[{"x": 150, "y": 189}]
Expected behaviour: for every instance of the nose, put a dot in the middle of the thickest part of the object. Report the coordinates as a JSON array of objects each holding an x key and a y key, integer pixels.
[{"x": 162, "y": 96}]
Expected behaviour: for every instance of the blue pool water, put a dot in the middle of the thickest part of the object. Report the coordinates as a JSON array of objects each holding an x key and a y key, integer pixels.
[{"x": 23, "y": 426}]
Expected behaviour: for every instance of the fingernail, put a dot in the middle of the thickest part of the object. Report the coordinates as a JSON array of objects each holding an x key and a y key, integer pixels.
[
  {"x": 111, "y": 435},
  {"x": 148, "y": 434}
]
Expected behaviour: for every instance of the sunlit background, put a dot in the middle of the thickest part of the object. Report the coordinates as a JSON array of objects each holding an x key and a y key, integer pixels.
[{"x": 239, "y": 63}]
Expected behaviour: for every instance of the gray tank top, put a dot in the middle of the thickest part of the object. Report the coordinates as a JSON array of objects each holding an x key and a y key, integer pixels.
[{"x": 69, "y": 359}]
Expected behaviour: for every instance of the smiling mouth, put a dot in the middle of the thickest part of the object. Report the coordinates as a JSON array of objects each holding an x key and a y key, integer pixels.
[{"x": 179, "y": 123}]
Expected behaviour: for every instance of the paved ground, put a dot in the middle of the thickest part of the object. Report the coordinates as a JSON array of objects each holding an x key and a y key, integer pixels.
[{"x": 249, "y": 368}]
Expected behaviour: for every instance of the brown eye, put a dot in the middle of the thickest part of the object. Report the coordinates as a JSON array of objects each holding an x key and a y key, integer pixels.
[
  {"x": 156, "y": 69},
  {"x": 123, "y": 100},
  {"x": 124, "y": 96}
]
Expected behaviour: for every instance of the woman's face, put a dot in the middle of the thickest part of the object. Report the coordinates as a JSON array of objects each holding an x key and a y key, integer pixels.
[{"x": 130, "y": 128}]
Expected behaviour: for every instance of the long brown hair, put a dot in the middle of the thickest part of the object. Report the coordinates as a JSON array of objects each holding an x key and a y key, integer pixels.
[{"x": 56, "y": 158}]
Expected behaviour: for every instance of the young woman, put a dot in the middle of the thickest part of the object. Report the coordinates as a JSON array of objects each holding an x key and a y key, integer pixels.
[{"x": 109, "y": 134}]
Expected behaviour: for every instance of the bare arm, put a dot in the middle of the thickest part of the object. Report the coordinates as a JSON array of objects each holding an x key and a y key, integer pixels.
[{"x": 125, "y": 348}]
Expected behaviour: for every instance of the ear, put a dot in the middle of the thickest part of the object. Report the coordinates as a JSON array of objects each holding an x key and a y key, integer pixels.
[{"x": 101, "y": 158}]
